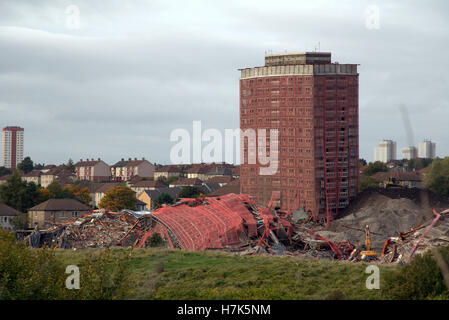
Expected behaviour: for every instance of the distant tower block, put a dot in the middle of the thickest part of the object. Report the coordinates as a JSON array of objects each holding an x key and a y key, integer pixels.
[
  {"x": 385, "y": 151},
  {"x": 12, "y": 147},
  {"x": 426, "y": 149},
  {"x": 409, "y": 153}
]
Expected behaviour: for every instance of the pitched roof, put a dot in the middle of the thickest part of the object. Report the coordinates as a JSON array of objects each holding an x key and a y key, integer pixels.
[
  {"x": 105, "y": 187},
  {"x": 134, "y": 163},
  {"x": 61, "y": 205},
  {"x": 207, "y": 188},
  {"x": 56, "y": 171},
  {"x": 169, "y": 168},
  {"x": 7, "y": 211},
  {"x": 88, "y": 163},
  {"x": 199, "y": 169},
  {"x": 34, "y": 173},
  {"x": 173, "y": 192},
  {"x": 187, "y": 181},
  {"x": 135, "y": 179},
  {"x": 221, "y": 172},
  {"x": 149, "y": 184},
  {"x": 129, "y": 163},
  {"x": 49, "y": 166},
  {"x": 231, "y": 187},
  {"x": 220, "y": 179}
]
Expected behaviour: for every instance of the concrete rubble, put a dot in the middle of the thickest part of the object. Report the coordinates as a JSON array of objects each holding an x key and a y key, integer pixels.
[{"x": 234, "y": 223}]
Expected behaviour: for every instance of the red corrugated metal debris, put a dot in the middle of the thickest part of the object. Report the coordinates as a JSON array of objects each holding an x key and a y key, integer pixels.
[{"x": 215, "y": 222}]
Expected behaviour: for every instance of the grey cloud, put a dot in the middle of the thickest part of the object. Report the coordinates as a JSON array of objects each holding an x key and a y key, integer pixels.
[{"x": 138, "y": 69}]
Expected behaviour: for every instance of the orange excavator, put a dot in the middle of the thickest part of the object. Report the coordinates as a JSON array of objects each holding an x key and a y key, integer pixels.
[{"x": 368, "y": 254}]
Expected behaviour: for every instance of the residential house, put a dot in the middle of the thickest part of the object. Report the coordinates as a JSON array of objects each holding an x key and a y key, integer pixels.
[
  {"x": 231, "y": 187},
  {"x": 59, "y": 174},
  {"x": 134, "y": 180},
  {"x": 47, "y": 168},
  {"x": 208, "y": 187},
  {"x": 221, "y": 180},
  {"x": 92, "y": 170},
  {"x": 141, "y": 186},
  {"x": 165, "y": 172},
  {"x": 199, "y": 171},
  {"x": 205, "y": 171},
  {"x": 98, "y": 191},
  {"x": 186, "y": 182},
  {"x": 141, "y": 206},
  {"x": 126, "y": 170},
  {"x": 33, "y": 176},
  {"x": 219, "y": 172},
  {"x": 6, "y": 215},
  {"x": 56, "y": 211},
  {"x": 148, "y": 196}
]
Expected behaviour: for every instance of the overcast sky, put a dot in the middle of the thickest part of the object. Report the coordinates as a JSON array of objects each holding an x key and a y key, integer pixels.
[{"x": 135, "y": 70}]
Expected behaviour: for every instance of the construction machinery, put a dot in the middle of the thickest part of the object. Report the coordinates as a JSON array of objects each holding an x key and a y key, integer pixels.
[
  {"x": 392, "y": 183},
  {"x": 368, "y": 254}
]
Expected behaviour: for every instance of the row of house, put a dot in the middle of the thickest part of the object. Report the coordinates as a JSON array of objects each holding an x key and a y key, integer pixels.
[
  {"x": 124, "y": 170},
  {"x": 202, "y": 171},
  {"x": 46, "y": 176},
  {"x": 155, "y": 187}
]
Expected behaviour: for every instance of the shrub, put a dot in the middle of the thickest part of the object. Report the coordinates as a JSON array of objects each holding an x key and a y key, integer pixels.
[
  {"x": 419, "y": 279},
  {"x": 156, "y": 240},
  {"x": 37, "y": 274}
]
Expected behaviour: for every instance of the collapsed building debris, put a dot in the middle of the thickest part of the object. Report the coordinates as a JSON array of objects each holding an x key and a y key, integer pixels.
[
  {"x": 400, "y": 226},
  {"x": 97, "y": 230}
]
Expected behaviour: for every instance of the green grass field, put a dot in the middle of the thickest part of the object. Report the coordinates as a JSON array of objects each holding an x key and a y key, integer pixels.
[{"x": 174, "y": 274}]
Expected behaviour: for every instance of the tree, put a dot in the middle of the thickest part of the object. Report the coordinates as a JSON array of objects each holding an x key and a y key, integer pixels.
[
  {"x": 26, "y": 165},
  {"x": 70, "y": 166},
  {"x": 419, "y": 163},
  {"x": 19, "y": 194},
  {"x": 362, "y": 162},
  {"x": 375, "y": 167},
  {"x": 81, "y": 194},
  {"x": 437, "y": 177},
  {"x": 164, "y": 198},
  {"x": 171, "y": 180},
  {"x": 4, "y": 171},
  {"x": 20, "y": 222},
  {"x": 119, "y": 198},
  {"x": 44, "y": 195},
  {"x": 57, "y": 192},
  {"x": 368, "y": 182},
  {"x": 189, "y": 192}
]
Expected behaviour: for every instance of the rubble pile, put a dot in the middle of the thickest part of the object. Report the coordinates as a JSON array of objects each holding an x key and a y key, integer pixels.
[
  {"x": 98, "y": 230},
  {"x": 401, "y": 223},
  {"x": 400, "y": 215}
]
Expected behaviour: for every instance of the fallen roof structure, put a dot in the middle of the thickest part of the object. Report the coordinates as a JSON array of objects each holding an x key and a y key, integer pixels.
[{"x": 214, "y": 223}]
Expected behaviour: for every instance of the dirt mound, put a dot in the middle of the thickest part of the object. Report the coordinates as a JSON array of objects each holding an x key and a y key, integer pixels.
[
  {"x": 425, "y": 199},
  {"x": 386, "y": 212}
]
